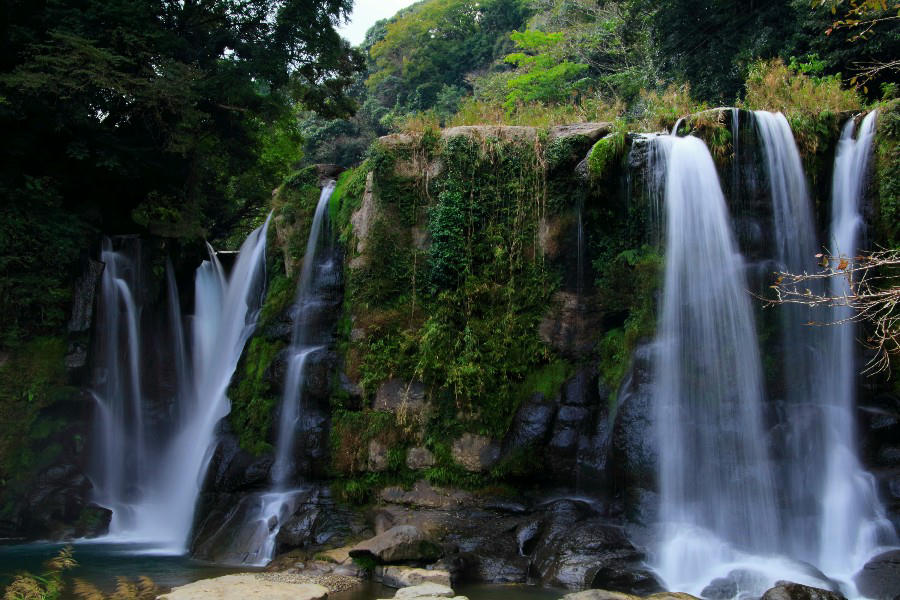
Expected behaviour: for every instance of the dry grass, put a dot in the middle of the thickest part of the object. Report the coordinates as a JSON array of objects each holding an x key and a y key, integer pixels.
[{"x": 773, "y": 86}]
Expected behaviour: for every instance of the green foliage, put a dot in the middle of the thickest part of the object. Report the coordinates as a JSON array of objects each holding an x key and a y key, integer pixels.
[
  {"x": 546, "y": 76},
  {"x": 347, "y": 198},
  {"x": 629, "y": 283},
  {"x": 32, "y": 379},
  {"x": 605, "y": 154},
  {"x": 254, "y": 397},
  {"x": 428, "y": 48},
  {"x": 887, "y": 174},
  {"x": 175, "y": 119}
]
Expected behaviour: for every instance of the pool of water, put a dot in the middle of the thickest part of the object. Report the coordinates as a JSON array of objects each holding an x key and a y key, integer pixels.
[
  {"x": 372, "y": 591},
  {"x": 101, "y": 563}
]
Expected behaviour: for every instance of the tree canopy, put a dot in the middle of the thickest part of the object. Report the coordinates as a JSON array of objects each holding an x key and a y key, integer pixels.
[{"x": 163, "y": 116}]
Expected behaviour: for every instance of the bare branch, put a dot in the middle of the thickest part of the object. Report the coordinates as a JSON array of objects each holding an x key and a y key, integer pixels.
[{"x": 869, "y": 285}]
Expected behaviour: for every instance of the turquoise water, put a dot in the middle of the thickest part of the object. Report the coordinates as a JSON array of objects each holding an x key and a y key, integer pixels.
[{"x": 102, "y": 563}]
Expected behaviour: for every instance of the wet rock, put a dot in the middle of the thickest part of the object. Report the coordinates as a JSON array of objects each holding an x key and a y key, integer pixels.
[
  {"x": 401, "y": 543},
  {"x": 579, "y": 550},
  {"x": 880, "y": 578},
  {"x": 720, "y": 588},
  {"x": 401, "y": 577},
  {"x": 531, "y": 424},
  {"x": 785, "y": 590},
  {"x": 569, "y": 323},
  {"x": 476, "y": 453},
  {"x": 670, "y": 596},
  {"x": 378, "y": 456},
  {"x": 419, "y": 458},
  {"x": 633, "y": 453}
]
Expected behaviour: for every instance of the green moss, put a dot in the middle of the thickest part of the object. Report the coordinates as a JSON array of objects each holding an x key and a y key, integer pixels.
[
  {"x": 566, "y": 151},
  {"x": 630, "y": 284},
  {"x": 254, "y": 397},
  {"x": 33, "y": 378},
  {"x": 605, "y": 154},
  {"x": 347, "y": 198},
  {"x": 887, "y": 174}
]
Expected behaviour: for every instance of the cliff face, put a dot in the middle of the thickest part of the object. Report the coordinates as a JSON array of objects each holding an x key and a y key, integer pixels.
[{"x": 491, "y": 333}]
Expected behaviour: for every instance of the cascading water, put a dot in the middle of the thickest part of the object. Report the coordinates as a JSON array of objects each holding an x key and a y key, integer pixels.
[
  {"x": 119, "y": 458},
  {"x": 319, "y": 269},
  {"x": 225, "y": 315},
  {"x": 716, "y": 489},
  {"x": 853, "y": 522},
  {"x": 796, "y": 246}
]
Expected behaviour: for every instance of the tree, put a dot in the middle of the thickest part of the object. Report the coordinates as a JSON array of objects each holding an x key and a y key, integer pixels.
[{"x": 170, "y": 117}]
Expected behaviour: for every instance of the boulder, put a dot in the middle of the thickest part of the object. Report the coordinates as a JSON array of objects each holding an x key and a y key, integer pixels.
[
  {"x": 362, "y": 221},
  {"x": 401, "y": 543},
  {"x": 419, "y": 458},
  {"x": 476, "y": 453},
  {"x": 786, "y": 590},
  {"x": 245, "y": 587},
  {"x": 880, "y": 578},
  {"x": 599, "y": 595},
  {"x": 424, "y": 495},
  {"x": 425, "y": 590},
  {"x": 531, "y": 424},
  {"x": 395, "y": 395},
  {"x": 592, "y": 131},
  {"x": 506, "y": 133},
  {"x": 378, "y": 456},
  {"x": 578, "y": 550},
  {"x": 401, "y": 577}
]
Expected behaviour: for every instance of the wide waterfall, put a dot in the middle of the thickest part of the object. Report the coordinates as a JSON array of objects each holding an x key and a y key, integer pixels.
[
  {"x": 163, "y": 485},
  {"x": 717, "y": 497},
  {"x": 256, "y": 541},
  {"x": 853, "y": 522},
  {"x": 742, "y": 505}
]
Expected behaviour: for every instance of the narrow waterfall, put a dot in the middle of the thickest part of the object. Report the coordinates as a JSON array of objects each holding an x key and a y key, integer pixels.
[
  {"x": 853, "y": 522},
  {"x": 119, "y": 455},
  {"x": 315, "y": 272},
  {"x": 795, "y": 248},
  {"x": 225, "y": 315},
  {"x": 258, "y": 537},
  {"x": 716, "y": 489}
]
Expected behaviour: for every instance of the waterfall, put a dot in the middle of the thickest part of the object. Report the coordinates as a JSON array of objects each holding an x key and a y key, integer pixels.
[
  {"x": 716, "y": 489},
  {"x": 225, "y": 315},
  {"x": 796, "y": 246},
  {"x": 315, "y": 271},
  {"x": 853, "y": 522},
  {"x": 258, "y": 536},
  {"x": 120, "y": 456}
]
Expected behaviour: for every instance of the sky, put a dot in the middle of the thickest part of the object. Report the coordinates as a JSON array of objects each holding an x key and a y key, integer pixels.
[{"x": 365, "y": 13}]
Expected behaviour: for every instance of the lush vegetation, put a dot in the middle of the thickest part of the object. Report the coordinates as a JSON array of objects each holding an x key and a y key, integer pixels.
[{"x": 169, "y": 118}]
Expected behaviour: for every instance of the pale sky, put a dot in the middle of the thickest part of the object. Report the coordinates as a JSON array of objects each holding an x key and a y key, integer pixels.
[{"x": 365, "y": 13}]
